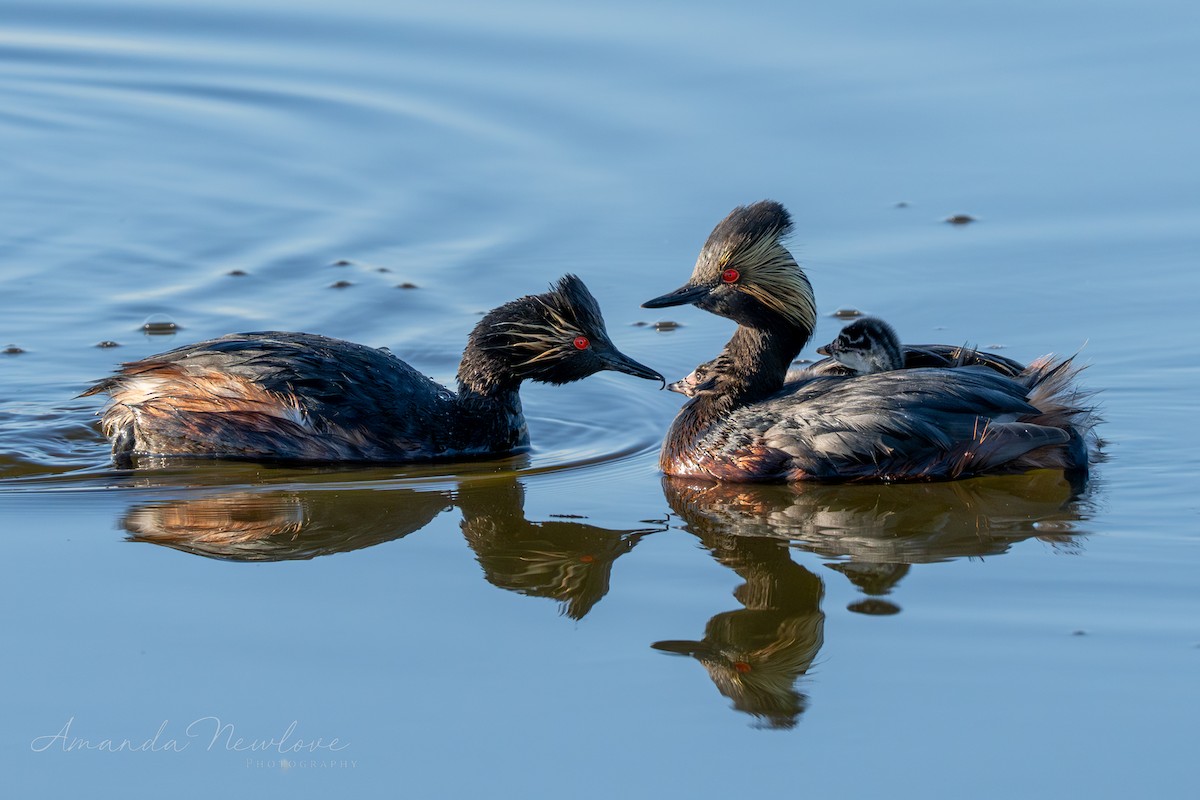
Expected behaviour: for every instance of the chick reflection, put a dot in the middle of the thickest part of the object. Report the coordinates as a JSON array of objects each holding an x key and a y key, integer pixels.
[
  {"x": 284, "y": 526},
  {"x": 755, "y": 655},
  {"x": 568, "y": 561}
]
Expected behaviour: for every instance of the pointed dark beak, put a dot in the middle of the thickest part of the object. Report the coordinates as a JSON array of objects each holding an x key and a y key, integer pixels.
[
  {"x": 680, "y": 297},
  {"x": 682, "y": 647},
  {"x": 824, "y": 350},
  {"x": 619, "y": 362}
]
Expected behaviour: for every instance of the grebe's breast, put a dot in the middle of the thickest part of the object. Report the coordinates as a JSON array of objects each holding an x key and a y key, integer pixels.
[{"x": 912, "y": 424}]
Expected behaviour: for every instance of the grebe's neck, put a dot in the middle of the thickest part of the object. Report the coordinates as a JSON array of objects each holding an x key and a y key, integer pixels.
[
  {"x": 488, "y": 405},
  {"x": 486, "y": 372},
  {"x": 754, "y": 363},
  {"x": 751, "y": 368}
]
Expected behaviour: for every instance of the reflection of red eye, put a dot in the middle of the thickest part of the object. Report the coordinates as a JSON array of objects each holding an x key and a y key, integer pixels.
[
  {"x": 581, "y": 343},
  {"x": 730, "y": 275}
]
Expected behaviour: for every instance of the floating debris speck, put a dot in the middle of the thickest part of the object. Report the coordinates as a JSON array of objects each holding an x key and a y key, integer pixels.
[
  {"x": 108, "y": 343},
  {"x": 997, "y": 347},
  {"x": 340, "y": 285},
  {"x": 237, "y": 273},
  {"x": 874, "y": 607},
  {"x": 847, "y": 313},
  {"x": 960, "y": 219},
  {"x": 406, "y": 285},
  {"x": 901, "y": 204},
  {"x": 666, "y": 325},
  {"x": 13, "y": 350},
  {"x": 341, "y": 262},
  {"x": 159, "y": 325}
]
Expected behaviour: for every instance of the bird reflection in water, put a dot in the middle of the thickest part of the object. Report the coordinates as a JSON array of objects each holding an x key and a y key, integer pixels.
[
  {"x": 756, "y": 654},
  {"x": 568, "y": 561},
  {"x": 284, "y": 525},
  {"x": 876, "y": 532}
]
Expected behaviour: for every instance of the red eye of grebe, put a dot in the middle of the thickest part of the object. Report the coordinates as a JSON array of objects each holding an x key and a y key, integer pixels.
[
  {"x": 730, "y": 275},
  {"x": 581, "y": 343}
]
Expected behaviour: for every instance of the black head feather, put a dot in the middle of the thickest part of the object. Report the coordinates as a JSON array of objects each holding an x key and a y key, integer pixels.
[
  {"x": 745, "y": 273},
  {"x": 555, "y": 337}
]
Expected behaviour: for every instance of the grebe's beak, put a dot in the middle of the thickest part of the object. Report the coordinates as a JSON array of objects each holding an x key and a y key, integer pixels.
[
  {"x": 688, "y": 293},
  {"x": 824, "y": 349},
  {"x": 619, "y": 362},
  {"x": 682, "y": 647}
]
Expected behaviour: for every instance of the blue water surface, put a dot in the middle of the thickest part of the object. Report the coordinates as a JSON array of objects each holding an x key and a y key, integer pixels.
[{"x": 565, "y": 622}]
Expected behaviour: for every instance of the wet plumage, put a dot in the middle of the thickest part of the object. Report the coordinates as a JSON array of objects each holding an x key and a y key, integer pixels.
[
  {"x": 918, "y": 423},
  {"x": 303, "y": 397}
]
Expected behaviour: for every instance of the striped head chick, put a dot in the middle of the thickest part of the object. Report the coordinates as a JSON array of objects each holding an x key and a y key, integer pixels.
[{"x": 866, "y": 346}]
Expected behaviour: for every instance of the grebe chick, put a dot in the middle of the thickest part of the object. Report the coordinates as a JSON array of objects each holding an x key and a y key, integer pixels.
[
  {"x": 744, "y": 424},
  {"x": 303, "y": 397},
  {"x": 698, "y": 380},
  {"x": 866, "y": 345}
]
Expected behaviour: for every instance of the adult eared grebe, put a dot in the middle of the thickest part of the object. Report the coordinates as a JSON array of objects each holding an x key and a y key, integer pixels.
[
  {"x": 302, "y": 397},
  {"x": 865, "y": 346},
  {"x": 920, "y": 423}
]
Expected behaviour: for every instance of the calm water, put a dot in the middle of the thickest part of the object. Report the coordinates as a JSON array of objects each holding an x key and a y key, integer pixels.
[{"x": 566, "y": 622}]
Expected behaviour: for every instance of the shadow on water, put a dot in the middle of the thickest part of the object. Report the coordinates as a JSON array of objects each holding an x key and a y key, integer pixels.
[
  {"x": 567, "y": 561},
  {"x": 755, "y": 655}
]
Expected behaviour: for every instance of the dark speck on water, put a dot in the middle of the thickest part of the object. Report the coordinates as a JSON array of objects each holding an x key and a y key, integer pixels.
[
  {"x": 847, "y": 313},
  {"x": 959, "y": 219},
  {"x": 383, "y": 269},
  {"x": 237, "y": 273},
  {"x": 158, "y": 325},
  {"x": 802, "y": 361},
  {"x": 996, "y": 346},
  {"x": 901, "y": 204},
  {"x": 666, "y": 325},
  {"x": 13, "y": 350},
  {"x": 406, "y": 285},
  {"x": 341, "y": 263},
  {"x": 569, "y": 516},
  {"x": 108, "y": 343},
  {"x": 340, "y": 285},
  {"x": 874, "y": 607}
]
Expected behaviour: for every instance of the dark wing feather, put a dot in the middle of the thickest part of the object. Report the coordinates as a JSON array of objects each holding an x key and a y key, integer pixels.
[
  {"x": 935, "y": 423},
  {"x": 917, "y": 356},
  {"x": 282, "y": 395}
]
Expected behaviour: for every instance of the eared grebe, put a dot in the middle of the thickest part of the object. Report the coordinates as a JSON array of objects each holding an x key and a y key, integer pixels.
[
  {"x": 866, "y": 345},
  {"x": 920, "y": 423},
  {"x": 303, "y": 397}
]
